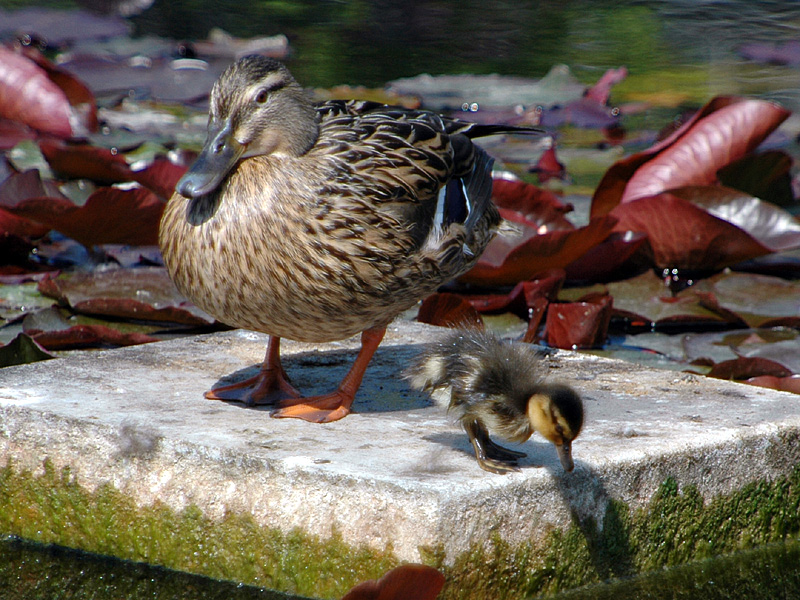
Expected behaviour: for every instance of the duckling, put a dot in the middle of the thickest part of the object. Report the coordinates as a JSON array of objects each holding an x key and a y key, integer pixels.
[
  {"x": 316, "y": 222},
  {"x": 496, "y": 385}
]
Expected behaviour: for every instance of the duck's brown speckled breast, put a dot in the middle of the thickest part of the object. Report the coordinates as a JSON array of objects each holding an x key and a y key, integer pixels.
[{"x": 289, "y": 260}]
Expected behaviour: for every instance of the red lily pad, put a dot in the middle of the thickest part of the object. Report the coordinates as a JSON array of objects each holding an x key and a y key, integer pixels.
[
  {"x": 406, "y": 582},
  {"x": 36, "y": 96},
  {"x": 601, "y": 90},
  {"x": 87, "y": 336},
  {"x": 106, "y": 166},
  {"x": 19, "y": 187},
  {"x": 605, "y": 261},
  {"x": 784, "y": 384},
  {"x": 160, "y": 176},
  {"x": 765, "y": 175},
  {"x": 724, "y": 130},
  {"x": 82, "y": 161},
  {"x": 12, "y": 133},
  {"x": 747, "y": 367},
  {"x": 548, "y": 166},
  {"x": 110, "y": 216},
  {"x": 521, "y": 298},
  {"x": 508, "y": 260},
  {"x": 708, "y": 228},
  {"x": 584, "y": 112},
  {"x": 582, "y": 324},
  {"x": 448, "y": 310},
  {"x": 145, "y": 294},
  {"x": 534, "y": 203}
]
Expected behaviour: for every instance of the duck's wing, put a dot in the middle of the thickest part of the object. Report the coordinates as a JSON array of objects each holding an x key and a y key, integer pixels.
[{"x": 416, "y": 165}]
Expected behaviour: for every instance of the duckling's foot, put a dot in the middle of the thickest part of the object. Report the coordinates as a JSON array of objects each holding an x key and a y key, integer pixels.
[
  {"x": 500, "y": 467},
  {"x": 500, "y": 453},
  {"x": 491, "y": 457},
  {"x": 335, "y": 406},
  {"x": 270, "y": 386}
]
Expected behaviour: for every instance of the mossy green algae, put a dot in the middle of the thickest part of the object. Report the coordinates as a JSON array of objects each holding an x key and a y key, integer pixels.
[
  {"x": 676, "y": 527},
  {"x": 53, "y": 508}
]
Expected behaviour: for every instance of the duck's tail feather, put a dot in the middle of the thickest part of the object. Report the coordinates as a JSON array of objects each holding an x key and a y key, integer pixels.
[
  {"x": 465, "y": 199},
  {"x": 476, "y": 130}
]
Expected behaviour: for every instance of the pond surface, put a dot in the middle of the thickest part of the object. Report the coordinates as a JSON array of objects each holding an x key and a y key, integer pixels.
[
  {"x": 32, "y": 572},
  {"x": 689, "y": 48}
]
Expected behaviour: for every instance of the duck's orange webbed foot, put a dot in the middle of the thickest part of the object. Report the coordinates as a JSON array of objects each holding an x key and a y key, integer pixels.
[
  {"x": 334, "y": 406},
  {"x": 270, "y": 386},
  {"x": 316, "y": 409}
]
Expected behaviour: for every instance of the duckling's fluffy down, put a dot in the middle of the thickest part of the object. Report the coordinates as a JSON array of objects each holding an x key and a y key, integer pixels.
[{"x": 478, "y": 375}]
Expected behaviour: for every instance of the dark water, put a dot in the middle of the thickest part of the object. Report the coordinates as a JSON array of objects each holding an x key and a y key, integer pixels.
[
  {"x": 768, "y": 573},
  {"x": 32, "y": 572},
  {"x": 678, "y": 42}
]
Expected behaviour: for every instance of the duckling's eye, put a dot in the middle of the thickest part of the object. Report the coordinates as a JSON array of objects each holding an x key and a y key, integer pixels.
[{"x": 262, "y": 96}]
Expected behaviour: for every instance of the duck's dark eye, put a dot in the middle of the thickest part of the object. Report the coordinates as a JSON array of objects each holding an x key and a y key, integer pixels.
[{"x": 261, "y": 97}]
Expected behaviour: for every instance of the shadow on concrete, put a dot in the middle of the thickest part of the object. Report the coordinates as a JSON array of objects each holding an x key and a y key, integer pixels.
[
  {"x": 319, "y": 372},
  {"x": 602, "y": 521}
]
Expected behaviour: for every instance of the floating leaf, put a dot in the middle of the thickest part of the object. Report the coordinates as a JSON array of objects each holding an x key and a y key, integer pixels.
[
  {"x": 583, "y": 112},
  {"x": 765, "y": 175},
  {"x": 745, "y": 368},
  {"x": 757, "y": 299},
  {"x": 582, "y": 324},
  {"x": 604, "y": 261},
  {"x": 83, "y": 112},
  {"x": 520, "y": 299},
  {"x": 724, "y": 130},
  {"x": 784, "y": 384},
  {"x": 12, "y": 133},
  {"x": 647, "y": 301},
  {"x": 87, "y": 336},
  {"x": 536, "y": 204},
  {"x": 508, "y": 260},
  {"x": 29, "y": 96},
  {"x": 23, "y": 349},
  {"x": 19, "y": 187},
  {"x": 548, "y": 166},
  {"x": 145, "y": 294},
  {"x": 110, "y": 216},
  {"x": 406, "y": 582},
  {"x": 708, "y": 228},
  {"x": 82, "y": 161},
  {"x": 448, "y": 310}
]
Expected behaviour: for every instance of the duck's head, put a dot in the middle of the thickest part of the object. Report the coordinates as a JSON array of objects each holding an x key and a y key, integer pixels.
[
  {"x": 556, "y": 412},
  {"x": 256, "y": 108}
]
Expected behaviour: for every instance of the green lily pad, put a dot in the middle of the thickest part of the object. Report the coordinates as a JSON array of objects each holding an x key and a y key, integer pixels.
[{"x": 22, "y": 350}]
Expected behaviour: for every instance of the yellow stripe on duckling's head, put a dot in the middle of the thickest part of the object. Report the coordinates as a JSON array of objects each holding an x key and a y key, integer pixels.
[{"x": 556, "y": 412}]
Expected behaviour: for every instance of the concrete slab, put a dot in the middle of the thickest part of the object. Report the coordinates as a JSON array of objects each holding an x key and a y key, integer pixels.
[{"x": 397, "y": 474}]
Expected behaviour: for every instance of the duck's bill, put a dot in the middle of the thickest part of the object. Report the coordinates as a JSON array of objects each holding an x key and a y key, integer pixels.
[
  {"x": 219, "y": 155},
  {"x": 565, "y": 456}
]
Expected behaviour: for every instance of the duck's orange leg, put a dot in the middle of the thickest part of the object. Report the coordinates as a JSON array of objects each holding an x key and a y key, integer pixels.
[
  {"x": 270, "y": 386},
  {"x": 336, "y": 405}
]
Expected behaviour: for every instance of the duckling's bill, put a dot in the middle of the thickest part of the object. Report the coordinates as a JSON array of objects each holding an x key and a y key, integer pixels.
[
  {"x": 565, "y": 455},
  {"x": 219, "y": 155}
]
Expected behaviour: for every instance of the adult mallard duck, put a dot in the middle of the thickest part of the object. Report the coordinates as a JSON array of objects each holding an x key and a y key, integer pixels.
[
  {"x": 317, "y": 222},
  {"x": 498, "y": 386}
]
